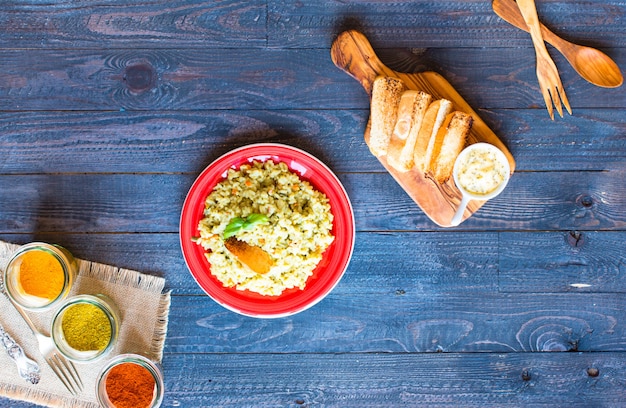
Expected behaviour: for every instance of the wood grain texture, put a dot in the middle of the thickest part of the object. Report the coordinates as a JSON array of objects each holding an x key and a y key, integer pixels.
[
  {"x": 532, "y": 201},
  {"x": 171, "y": 142},
  {"x": 234, "y": 23},
  {"x": 437, "y": 262},
  {"x": 215, "y": 78},
  {"x": 569, "y": 261},
  {"x": 414, "y": 321},
  {"x": 391, "y": 380},
  {"x": 186, "y": 142},
  {"x": 110, "y": 110},
  {"x": 427, "y": 23},
  {"x": 152, "y": 202},
  {"x": 417, "y": 263},
  {"x": 151, "y": 23},
  {"x": 419, "y": 311},
  {"x": 171, "y": 79}
]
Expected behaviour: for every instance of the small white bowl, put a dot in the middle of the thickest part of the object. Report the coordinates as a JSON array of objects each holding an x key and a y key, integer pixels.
[{"x": 487, "y": 168}]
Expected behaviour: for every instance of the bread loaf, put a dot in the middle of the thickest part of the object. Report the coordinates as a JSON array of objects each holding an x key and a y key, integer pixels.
[
  {"x": 386, "y": 94},
  {"x": 449, "y": 142},
  {"x": 413, "y": 105},
  {"x": 414, "y": 133}
]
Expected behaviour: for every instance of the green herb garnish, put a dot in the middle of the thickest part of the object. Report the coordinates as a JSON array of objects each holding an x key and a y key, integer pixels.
[{"x": 239, "y": 224}]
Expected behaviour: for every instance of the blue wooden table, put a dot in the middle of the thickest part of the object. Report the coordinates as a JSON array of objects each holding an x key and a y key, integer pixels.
[{"x": 109, "y": 110}]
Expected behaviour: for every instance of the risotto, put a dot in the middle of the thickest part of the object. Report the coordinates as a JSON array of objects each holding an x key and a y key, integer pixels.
[{"x": 296, "y": 231}]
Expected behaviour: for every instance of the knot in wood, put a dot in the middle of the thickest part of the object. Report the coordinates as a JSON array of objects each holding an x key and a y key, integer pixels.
[
  {"x": 593, "y": 372},
  {"x": 526, "y": 375},
  {"x": 139, "y": 77},
  {"x": 575, "y": 239},
  {"x": 585, "y": 201}
]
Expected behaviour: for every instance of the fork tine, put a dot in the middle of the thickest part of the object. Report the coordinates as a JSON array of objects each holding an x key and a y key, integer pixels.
[
  {"x": 561, "y": 92},
  {"x": 548, "y": 101},
  {"x": 68, "y": 376},
  {"x": 557, "y": 100},
  {"x": 60, "y": 375},
  {"x": 71, "y": 369}
]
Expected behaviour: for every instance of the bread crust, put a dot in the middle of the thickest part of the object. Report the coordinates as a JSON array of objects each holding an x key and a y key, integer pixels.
[
  {"x": 413, "y": 132},
  {"x": 413, "y": 105},
  {"x": 386, "y": 94},
  {"x": 433, "y": 120},
  {"x": 450, "y": 140}
]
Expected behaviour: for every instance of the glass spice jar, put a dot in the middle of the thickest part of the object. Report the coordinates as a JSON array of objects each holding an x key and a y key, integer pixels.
[
  {"x": 130, "y": 380},
  {"x": 86, "y": 327},
  {"x": 39, "y": 275}
]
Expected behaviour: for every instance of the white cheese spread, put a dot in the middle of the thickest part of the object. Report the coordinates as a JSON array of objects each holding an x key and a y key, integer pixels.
[{"x": 481, "y": 171}]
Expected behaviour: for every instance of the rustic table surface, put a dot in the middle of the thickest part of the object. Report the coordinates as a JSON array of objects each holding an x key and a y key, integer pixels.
[{"x": 109, "y": 111}]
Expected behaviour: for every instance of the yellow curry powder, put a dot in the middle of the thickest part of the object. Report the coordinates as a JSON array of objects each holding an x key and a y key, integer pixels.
[
  {"x": 86, "y": 327},
  {"x": 41, "y": 275}
]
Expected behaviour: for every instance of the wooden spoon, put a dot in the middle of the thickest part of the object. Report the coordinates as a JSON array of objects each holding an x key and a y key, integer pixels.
[{"x": 591, "y": 64}]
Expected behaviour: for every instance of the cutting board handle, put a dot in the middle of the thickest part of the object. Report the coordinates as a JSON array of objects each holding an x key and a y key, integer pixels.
[{"x": 353, "y": 53}]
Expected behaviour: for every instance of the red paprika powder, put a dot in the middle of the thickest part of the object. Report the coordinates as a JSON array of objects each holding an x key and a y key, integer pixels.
[{"x": 129, "y": 385}]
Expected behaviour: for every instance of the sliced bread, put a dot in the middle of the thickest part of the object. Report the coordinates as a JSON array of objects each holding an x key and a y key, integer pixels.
[
  {"x": 386, "y": 94},
  {"x": 449, "y": 142},
  {"x": 425, "y": 141},
  {"x": 413, "y": 105}
]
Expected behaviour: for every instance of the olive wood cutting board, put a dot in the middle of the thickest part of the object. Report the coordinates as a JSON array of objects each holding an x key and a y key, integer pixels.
[{"x": 352, "y": 53}]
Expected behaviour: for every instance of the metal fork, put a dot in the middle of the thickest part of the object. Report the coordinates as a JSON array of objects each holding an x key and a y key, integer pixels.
[
  {"x": 63, "y": 368},
  {"x": 27, "y": 368},
  {"x": 547, "y": 74}
]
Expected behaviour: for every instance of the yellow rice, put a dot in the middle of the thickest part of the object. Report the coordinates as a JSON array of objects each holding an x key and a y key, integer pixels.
[{"x": 296, "y": 236}]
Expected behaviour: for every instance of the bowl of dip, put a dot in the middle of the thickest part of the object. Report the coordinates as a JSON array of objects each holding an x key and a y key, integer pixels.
[{"x": 481, "y": 172}]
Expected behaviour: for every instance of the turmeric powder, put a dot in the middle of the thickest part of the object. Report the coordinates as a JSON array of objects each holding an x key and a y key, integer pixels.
[{"x": 41, "y": 274}]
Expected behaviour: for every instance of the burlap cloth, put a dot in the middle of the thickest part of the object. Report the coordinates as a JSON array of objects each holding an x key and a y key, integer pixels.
[{"x": 144, "y": 309}]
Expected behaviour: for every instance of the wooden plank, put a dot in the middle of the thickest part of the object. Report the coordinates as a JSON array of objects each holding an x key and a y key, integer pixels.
[
  {"x": 415, "y": 321},
  {"x": 426, "y": 23},
  {"x": 199, "y": 79},
  {"x": 97, "y": 203},
  {"x": 539, "y": 144},
  {"x": 154, "y": 24},
  {"x": 531, "y": 201},
  {"x": 164, "y": 141},
  {"x": 172, "y": 142},
  {"x": 561, "y": 262},
  {"x": 401, "y": 263},
  {"x": 392, "y": 380},
  {"x": 441, "y": 262},
  {"x": 234, "y": 23},
  {"x": 557, "y": 201}
]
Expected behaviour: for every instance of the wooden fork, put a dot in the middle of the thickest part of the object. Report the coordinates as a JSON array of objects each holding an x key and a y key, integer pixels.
[{"x": 547, "y": 74}]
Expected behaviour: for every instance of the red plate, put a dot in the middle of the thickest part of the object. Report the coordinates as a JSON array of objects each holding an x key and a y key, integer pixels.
[{"x": 328, "y": 272}]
